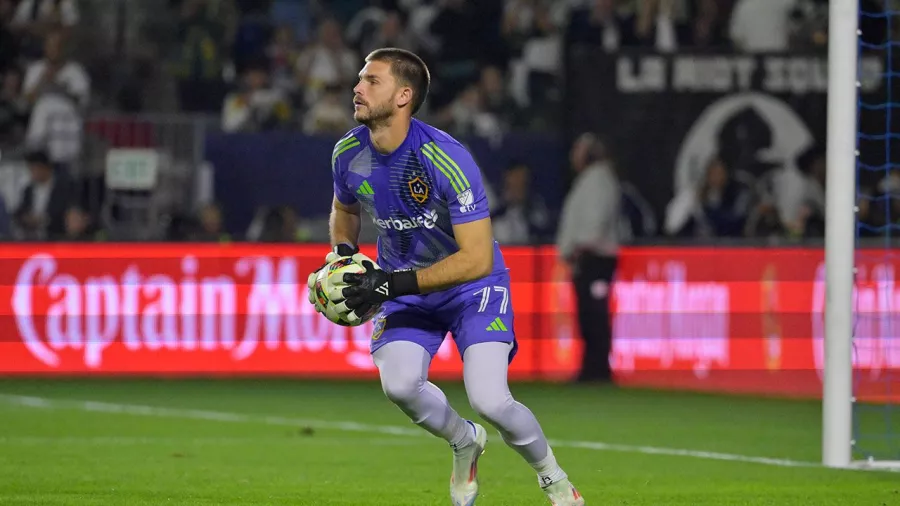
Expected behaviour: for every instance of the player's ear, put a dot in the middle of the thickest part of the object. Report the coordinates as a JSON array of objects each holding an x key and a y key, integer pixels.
[{"x": 405, "y": 96}]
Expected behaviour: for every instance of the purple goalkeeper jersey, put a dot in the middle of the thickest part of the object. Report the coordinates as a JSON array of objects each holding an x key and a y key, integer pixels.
[{"x": 414, "y": 195}]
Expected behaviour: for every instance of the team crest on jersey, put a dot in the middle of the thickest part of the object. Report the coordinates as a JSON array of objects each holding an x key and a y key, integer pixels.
[
  {"x": 419, "y": 190},
  {"x": 379, "y": 328}
]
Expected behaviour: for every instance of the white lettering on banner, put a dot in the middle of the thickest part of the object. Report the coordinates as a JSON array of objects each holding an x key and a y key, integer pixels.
[
  {"x": 876, "y": 319},
  {"x": 716, "y": 73},
  {"x": 663, "y": 317},
  {"x": 731, "y": 73},
  {"x": 650, "y": 76},
  {"x": 156, "y": 312}
]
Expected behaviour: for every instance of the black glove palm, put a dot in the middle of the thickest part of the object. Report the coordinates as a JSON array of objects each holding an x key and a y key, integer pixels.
[{"x": 368, "y": 289}]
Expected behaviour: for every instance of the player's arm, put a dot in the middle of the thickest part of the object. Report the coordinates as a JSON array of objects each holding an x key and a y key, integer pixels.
[
  {"x": 474, "y": 260},
  {"x": 344, "y": 223}
]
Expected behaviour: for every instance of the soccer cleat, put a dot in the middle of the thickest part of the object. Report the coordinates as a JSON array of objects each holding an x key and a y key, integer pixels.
[
  {"x": 563, "y": 493},
  {"x": 464, "y": 479}
]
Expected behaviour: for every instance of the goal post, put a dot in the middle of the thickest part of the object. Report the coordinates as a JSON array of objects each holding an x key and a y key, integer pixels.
[{"x": 840, "y": 233}]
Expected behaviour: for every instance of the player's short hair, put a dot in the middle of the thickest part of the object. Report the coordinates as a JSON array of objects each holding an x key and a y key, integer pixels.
[{"x": 408, "y": 69}]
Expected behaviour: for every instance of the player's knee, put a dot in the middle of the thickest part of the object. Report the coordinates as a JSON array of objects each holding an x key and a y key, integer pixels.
[
  {"x": 490, "y": 407},
  {"x": 402, "y": 387}
]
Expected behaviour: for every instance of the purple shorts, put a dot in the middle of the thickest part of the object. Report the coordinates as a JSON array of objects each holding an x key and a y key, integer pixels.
[{"x": 479, "y": 311}]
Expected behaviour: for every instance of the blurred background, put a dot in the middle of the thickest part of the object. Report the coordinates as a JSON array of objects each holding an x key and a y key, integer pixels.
[
  {"x": 618, "y": 140},
  {"x": 656, "y": 176},
  {"x": 213, "y": 120}
]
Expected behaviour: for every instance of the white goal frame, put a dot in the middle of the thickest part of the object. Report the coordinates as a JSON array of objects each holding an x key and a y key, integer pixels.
[{"x": 840, "y": 239}]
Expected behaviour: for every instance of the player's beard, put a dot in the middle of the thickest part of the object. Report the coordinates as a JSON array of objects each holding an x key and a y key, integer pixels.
[{"x": 374, "y": 116}]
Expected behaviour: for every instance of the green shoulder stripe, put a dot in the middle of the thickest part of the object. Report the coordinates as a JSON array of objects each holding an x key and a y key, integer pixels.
[
  {"x": 343, "y": 145},
  {"x": 447, "y": 166}
]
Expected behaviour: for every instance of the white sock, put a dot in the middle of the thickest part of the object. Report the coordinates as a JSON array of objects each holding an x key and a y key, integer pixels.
[
  {"x": 548, "y": 469},
  {"x": 463, "y": 433}
]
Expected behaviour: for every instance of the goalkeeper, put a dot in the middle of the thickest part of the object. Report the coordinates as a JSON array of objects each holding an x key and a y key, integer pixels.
[{"x": 439, "y": 269}]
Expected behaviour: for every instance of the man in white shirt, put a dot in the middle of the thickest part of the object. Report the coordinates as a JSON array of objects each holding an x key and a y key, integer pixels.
[
  {"x": 55, "y": 73},
  {"x": 588, "y": 241}
]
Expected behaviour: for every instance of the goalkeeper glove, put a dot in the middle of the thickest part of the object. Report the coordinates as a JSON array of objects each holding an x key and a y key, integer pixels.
[{"x": 376, "y": 286}]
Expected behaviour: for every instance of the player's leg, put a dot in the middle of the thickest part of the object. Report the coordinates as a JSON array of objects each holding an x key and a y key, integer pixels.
[
  {"x": 484, "y": 335},
  {"x": 403, "y": 367},
  {"x": 485, "y": 373},
  {"x": 404, "y": 342}
]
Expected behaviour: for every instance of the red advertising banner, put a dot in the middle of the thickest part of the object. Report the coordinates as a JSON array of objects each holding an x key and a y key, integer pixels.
[
  {"x": 733, "y": 320},
  {"x": 749, "y": 320}
]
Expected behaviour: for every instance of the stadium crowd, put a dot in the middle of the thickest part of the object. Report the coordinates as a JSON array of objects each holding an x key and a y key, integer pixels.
[{"x": 265, "y": 65}]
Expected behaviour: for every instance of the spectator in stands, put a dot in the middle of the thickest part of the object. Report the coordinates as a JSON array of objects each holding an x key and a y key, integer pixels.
[
  {"x": 521, "y": 216},
  {"x": 588, "y": 242},
  {"x": 420, "y": 15},
  {"x": 43, "y": 204},
  {"x": 6, "y": 231},
  {"x": 276, "y": 224},
  {"x": 466, "y": 115},
  {"x": 78, "y": 227},
  {"x": 762, "y": 26},
  {"x": 56, "y": 73},
  {"x": 35, "y": 19},
  {"x": 390, "y": 33},
  {"x": 667, "y": 25},
  {"x": 710, "y": 20},
  {"x": 718, "y": 207},
  {"x": 205, "y": 31},
  {"x": 457, "y": 29},
  {"x": 497, "y": 100},
  {"x": 661, "y": 24},
  {"x": 256, "y": 106},
  {"x": 59, "y": 90},
  {"x": 9, "y": 41},
  {"x": 328, "y": 62},
  {"x": 330, "y": 115},
  {"x": 600, "y": 24},
  {"x": 812, "y": 166},
  {"x": 211, "y": 228},
  {"x": 253, "y": 32},
  {"x": 282, "y": 54},
  {"x": 13, "y": 108},
  {"x": 294, "y": 14},
  {"x": 541, "y": 60}
]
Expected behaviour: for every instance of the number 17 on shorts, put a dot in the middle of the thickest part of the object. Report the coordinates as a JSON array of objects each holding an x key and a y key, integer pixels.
[{"x": 487, "y": 316}]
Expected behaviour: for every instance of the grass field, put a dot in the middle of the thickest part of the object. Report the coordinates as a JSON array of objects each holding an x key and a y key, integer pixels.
[{"x": 280, "y": 442}]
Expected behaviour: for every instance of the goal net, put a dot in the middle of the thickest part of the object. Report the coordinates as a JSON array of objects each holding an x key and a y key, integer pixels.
[{"x": 876, "y": 300}]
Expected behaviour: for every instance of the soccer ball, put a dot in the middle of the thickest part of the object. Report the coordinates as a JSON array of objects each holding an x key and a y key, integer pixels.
[{"x": 328, "y": 286}]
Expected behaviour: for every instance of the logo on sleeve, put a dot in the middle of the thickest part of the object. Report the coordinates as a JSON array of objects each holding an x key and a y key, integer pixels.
[
  {"x": 466, "y": 201},
  {"x": 419, "y": 190},
  {"x": 365, "y": 189}
]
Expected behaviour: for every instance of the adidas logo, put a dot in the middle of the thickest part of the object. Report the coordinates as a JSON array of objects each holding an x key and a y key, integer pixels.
[
  {"x": 496, "y": 325},
  {"x": 365, "y": 189}
]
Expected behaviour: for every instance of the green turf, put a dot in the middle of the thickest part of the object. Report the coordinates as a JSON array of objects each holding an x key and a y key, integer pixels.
[{"x": 64, "y": 454}]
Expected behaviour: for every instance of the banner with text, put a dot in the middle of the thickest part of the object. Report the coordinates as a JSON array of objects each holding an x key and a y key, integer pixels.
[
  {"x": 684, "y": 318},
  {"x": 668, "y": 114}
]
